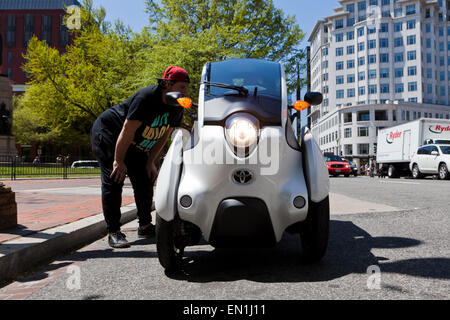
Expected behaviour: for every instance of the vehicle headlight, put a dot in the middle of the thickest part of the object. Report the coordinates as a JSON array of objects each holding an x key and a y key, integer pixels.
[{"x": 242, "y": 131}]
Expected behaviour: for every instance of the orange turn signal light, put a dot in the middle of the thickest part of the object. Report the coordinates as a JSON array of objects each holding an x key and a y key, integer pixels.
[
  {"x": 301, "y": 105},
  {"x": 185, "y": 102}
]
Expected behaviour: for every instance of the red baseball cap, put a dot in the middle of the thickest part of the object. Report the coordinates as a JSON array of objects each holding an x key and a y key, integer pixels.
[{"x": 174, "y": 73}]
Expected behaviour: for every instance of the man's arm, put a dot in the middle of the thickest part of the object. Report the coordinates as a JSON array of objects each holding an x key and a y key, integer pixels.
[{"x": 123, "y": 143}]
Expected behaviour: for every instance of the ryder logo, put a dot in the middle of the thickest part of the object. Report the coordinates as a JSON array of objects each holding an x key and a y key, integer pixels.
[
  {"x": 439, "y": 129},
  {"x": 390, "y": 138}
]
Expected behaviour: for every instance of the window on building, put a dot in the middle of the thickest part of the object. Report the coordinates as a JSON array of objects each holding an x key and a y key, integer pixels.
[
  {"x": 28, "y": 28},
  {"x": 384, "y": 57},
  {"x": 398, "y": 26},
  {"x": 339, "y": 37},
  {"x": 361, "y": 91},
  {"x": 350, "y": 93},
  {"x": 384, "y": 27},
  {"x": 410, "y": 9},
  {"x": 348, "y": 149},
  {"x": 64, "y": 33},
  {"x": 371, "y": 44},
  {"x": 410, "y": 40},
  {"x": 47, "y": 29},
  {"x": 350, "y": 49},
  {"x": 347, "y": 117},
  {"x": 339, "y": 94},
  {"x": 361, "y": 75},
  {"x": 384, "y": 43},
  {"x": 398, "y": 42},
  {"x": 363, "y": 131},
  {"x": 11, "y": 30},
  {"x": 372, "y": 74},
  {"x": 372, "y": 89},
  {"x": 350, "y": 78},
  {"x": 372, "y": 59},
  {"x": 411, "y": 24},
  {"x": 10, "y": 57},
  {"x": 399, "y": 88},
  {"x": 363, "y": 115},
  {"x": 363, "y": 148},
  {"x": 399, "y": 72},
  {"x": 339, "y": 65},
  {"x": 339, "y": 52},
  {"x": 412, "y": 86},
  {"x": 398, "y": 57},
  {"x": 361, "y": 61},
  {"x": 412, "y": 55},
  {"x": 412, "y": 71},
  {"x": 339, "y": 24},
  {"x": 381, "y": 115},
  {"x": 384, "y": 88},
  {"x": 339, "y": 79}
]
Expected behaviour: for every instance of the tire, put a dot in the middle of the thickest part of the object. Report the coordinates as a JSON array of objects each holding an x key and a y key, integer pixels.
[
  {"x": 443, "y": 172},
  {"x": 347, "y": 175},
  {"x": 392, "y": 172},
  {"x": 416, "y": 172},
  {"x": 169, "y": 256},
  {"x": 314, "y": 231}
]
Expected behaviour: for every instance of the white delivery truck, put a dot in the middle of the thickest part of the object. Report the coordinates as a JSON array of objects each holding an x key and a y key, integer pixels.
[{"x": 396, "y": 145}]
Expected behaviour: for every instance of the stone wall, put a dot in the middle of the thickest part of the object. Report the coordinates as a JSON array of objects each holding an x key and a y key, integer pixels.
[{"x": 8, "y": 208}]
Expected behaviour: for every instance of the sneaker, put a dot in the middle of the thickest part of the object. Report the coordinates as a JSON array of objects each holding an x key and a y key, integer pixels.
[
  {"x": 118, "y": 240},
  {"x": 147, "y": 232}
]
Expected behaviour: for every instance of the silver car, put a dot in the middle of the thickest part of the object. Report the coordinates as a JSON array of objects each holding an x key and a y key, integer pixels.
[{"x": 241, "y": 178}]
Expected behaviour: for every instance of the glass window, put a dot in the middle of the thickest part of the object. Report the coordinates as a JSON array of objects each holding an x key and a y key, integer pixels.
[
  {"x": 339, "y": 79},
  {"x": 372, "y": 74},
  {"x": 350, "y": 35},
  {"x": 399, "y": 72},
  {"x": 384, "y": 57},
  {"x": 384, "y": 43},
  {"x": 364, "y": 115},
  {"x": 412, "y": 86},
  {"x": 412, "y": 55},
  {"x": 350, "y": 78},
  {"x": 339, "y": 37},
  {"x": 28, "y": 28},
  {"x": 399, "y": 88},
  {"x": 410, "y": 40},
  {"x": 384, "y": 73},
  {"x": 339, "y": 65},
  {"x": 384, "y": 88},
  {"x": 411, "y": 24},
  {"x": 47, "y": 29},
  {"x": 381, "y": 115},
  {"x": 361, "y": 91},
  {"x": 361, "y": 75},
  {"x": 339, "y": 52},
  {"x": 412, "y": 71},
  {"x": 398, "y": 26},
  {"x": 350, "y": 64},
  {"x": 372, "y": 58},
  {"x": 350, "y": 93},
  {"x": 339, "y": 94},
  {"x": 11, "y": 31},
  {"x": 371, "y": 44},
  {"x": 350, "y": 49},
  {"x": 398, "y": 57}
]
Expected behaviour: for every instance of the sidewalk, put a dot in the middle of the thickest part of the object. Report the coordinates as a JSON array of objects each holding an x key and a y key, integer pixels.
[{"x": 54, "y": 217}]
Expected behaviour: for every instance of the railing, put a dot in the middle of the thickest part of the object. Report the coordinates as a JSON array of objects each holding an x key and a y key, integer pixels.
[{"x": 13, "y": 168}]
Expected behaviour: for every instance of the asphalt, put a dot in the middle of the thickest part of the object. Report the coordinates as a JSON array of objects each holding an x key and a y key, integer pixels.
[{"x": 60, "y": 216}]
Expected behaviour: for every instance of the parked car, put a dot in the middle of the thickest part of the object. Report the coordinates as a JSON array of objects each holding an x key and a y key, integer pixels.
[
  {"x": 235, "y": 199},
  {"x": 431, "y": 160},
  {"x": 85, "y": 164},
  {"x": 337, "y": 166},
  {"x": 353, "y": 168}
]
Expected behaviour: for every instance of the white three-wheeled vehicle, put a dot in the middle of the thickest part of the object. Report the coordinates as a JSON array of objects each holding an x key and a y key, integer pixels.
[{"x": 241, "y": 178}]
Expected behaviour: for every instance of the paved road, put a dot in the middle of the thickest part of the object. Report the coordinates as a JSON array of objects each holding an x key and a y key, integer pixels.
[{"x": 408, "y": 243}]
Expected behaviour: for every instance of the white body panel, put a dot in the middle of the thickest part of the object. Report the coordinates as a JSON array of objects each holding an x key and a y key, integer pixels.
[
  {"x": 316, "y": 171},
  {"x": 168, "y": 179},
  {"x": 398, "y": 144},
  {"x": 209, "y": 184}
]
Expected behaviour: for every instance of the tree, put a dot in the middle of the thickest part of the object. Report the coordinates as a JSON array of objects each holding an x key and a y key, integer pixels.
[
  {"x": 227, "y": 29},
  {"x": 70, "y": 90}
]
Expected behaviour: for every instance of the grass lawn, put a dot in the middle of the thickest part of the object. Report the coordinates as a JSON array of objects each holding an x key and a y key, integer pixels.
[{"x": 51, "y": 172}]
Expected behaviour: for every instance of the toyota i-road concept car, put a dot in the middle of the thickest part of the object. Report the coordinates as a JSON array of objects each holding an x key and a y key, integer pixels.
[{"x": 241, "y": 178}]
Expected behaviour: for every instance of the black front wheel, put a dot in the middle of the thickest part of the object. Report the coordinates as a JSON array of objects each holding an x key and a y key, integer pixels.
[
  {"x": 314, "y": 231},
  {"x": 170, "y": 255}
]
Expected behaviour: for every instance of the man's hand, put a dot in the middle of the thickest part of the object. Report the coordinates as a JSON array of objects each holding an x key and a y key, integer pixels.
[
  {"x": 152, "y": 171},
  {"x": 119, "y": 172}
]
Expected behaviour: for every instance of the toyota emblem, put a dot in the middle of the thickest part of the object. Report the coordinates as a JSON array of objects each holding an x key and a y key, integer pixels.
[{"x": 242, "y": 176}]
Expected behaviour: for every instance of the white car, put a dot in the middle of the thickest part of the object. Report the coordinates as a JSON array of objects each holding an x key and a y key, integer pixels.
[
  {"x": 430, "y": 160},
  {"x": 85, "y": 164},
  {"x": 225, "y": 184}
]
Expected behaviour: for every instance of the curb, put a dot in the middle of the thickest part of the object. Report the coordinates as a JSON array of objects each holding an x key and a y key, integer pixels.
[{"x": 25, "y": 253}]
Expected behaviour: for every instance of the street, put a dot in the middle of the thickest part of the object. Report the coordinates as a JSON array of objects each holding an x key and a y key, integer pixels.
[{"x": 388, "y": 240}]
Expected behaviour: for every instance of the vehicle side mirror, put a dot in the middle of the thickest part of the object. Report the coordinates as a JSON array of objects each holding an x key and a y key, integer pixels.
[
  {"x": 176, "y": 99},
  {"x": 313, "y": 98},
  {"x": 434, "y": 153}
]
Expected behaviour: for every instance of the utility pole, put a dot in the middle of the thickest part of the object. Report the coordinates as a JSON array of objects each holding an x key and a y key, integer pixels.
[{"x": 299, "y": 114}]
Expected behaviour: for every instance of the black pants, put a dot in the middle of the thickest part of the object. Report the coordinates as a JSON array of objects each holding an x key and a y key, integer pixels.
[{"x": 103, "y": 147}]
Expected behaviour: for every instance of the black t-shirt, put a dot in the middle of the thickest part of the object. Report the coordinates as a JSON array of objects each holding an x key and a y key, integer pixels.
[{"x": 147, "y": 106}]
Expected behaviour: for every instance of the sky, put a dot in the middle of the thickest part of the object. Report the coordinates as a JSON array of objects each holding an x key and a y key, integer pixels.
[{"x": 307, "y": 12}]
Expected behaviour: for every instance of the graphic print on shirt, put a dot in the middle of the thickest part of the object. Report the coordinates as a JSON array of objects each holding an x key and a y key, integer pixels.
[{"x": 153, "y": 133}]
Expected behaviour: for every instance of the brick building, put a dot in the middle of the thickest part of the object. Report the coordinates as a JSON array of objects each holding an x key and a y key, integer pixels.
[{"x": 19, "y": 21}]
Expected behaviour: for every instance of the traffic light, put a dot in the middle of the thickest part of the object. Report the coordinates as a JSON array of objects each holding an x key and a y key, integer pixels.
[{"x": 374, "y": 148}]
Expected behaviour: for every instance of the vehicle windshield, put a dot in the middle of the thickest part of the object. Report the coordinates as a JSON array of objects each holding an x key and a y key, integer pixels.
[
  {"x": 442, "y": 142},
  {"x": 264, "y": 76},
  {"x": 333, "y": 158},
  {"x": 445, "y": 149}
]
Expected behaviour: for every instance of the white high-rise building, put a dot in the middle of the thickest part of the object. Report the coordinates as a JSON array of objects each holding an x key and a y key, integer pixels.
[{"x": 378, "y": 63}]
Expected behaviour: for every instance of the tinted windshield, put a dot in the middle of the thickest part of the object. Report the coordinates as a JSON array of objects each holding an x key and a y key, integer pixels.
[
  {"x": 332, "y": 158},
  {"x": 248, "y": 73},
  {"x": 442, "y": 141},
  {"x": 445, "y": 149}
]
